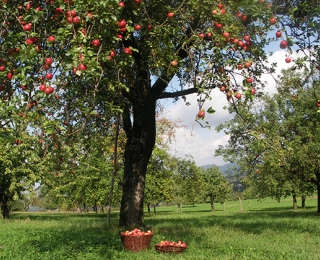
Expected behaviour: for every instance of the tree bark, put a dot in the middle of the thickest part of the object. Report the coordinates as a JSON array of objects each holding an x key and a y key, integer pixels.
[
  {"x": 318, "y": 200},
  {"x": 303, "y": 202},
  {"x": 4, "y": 205},
  {"x": 140, "y": 128},
  {"x": 294, "y": 200},
  {"x": 212, "y": 204}
]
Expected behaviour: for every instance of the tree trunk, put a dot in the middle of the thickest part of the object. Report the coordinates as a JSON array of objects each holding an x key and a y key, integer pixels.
[
  {"x": 212, "y": 204},
  {"x": 154, "y": 209},
  {"x": 149, "y": 207},
  {"x": 303, "y": 202},
  {"x": 294, "y": 200},
  {"x": 318, "y": 200},
  {"x": 240, "y": 202},
  {"x": 4, "y": 205},
  {"x": 140, "y": 128}
]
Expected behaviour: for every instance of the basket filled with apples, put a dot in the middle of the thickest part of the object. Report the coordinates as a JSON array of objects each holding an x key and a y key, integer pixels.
[
  {"x": 136, "y": 240},
  {"x": 170, "y": 247}
]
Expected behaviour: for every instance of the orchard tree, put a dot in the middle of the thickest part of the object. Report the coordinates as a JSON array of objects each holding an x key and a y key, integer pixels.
[
  {"x": 215, "y": 185},
  {"x": 93, "y": 56},
  {"x": 275, "y": 142}
]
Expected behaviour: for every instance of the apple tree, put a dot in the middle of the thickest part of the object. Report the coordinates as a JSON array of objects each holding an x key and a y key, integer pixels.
[
  {"x": 215, "y": 185},
  {"x": 80, "y": 58},
  {"x": 275, "y": 142}
]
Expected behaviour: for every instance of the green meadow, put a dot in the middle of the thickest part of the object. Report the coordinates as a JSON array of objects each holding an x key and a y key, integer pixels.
[{"x": 264, "y": 230}]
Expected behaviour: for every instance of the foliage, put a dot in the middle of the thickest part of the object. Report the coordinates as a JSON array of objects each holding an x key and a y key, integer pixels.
[
  {"x": 278, "y": 139},
  {"x": 215, "y": 185}
]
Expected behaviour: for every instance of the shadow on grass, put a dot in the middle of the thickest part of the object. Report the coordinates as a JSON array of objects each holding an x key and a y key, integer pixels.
[{"x": 85, "y": 233}]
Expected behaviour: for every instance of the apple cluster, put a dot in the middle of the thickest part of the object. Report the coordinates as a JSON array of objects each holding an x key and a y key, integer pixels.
[
  {"x": 172, "y": 243},
  {"x": 137, "y": 232}
]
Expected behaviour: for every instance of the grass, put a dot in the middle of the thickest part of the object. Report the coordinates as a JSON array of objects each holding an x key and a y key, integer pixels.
[{"x": 265, "y": 230}]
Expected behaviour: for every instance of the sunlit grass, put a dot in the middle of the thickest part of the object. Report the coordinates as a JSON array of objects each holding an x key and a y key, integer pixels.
[{"x": 265, "y": 230}]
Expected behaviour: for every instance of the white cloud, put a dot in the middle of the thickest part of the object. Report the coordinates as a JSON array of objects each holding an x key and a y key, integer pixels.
[{"x": 200, "y": 142}]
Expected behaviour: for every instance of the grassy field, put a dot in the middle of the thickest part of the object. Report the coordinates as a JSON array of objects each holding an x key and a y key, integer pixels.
[{"x": 265, "y": 230}]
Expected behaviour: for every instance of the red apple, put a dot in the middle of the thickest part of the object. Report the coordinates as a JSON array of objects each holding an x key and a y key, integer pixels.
[
  {"x": 127, "y": 51},
  {"x": 51, "y": 39},
  {"x": 253, "y": 91},
  {"x": 2, "y": 68},
  {"x": 113, "y": 53},
  {"x": 121, "y": 4},
  {"x": 170, "y": 15},
  {"x": 241, "y": 44},
  {"x": 76, "y": 20},
  {"x": 48, "y": 61},
  {"x": 149, "y": 27},
  {"x": 42, "y": 87},
  {"x": 278, "y": 34},
  {"x": 273, "y": 20},
  {"x": 49, "y": 90},
  {"x": 247, "y": 64},
  {"x": 27, "y": 27},
  {"x": 214, "y": 12},
  {"x": 218, "y": 25},
  {"x": 82, "y": 67},
  {"x": 137, "y": 27},
  {"x": 283, "y": 44},
  {"x": 226, "y": 34},
  {"x": 209, "y": 35},
  {"x": 288, "y": 60},
  {"x": 10, "y": 75},
  {"x": 318, "y": 104},
  {"x": 49, "y": 76},
  {"x": 122, "y": 23},
  {"x": 238, "y": 95},
  {"x": 95, "y": 42},
  {"x": 249, "y": 80},
  {"x": 202, "y": 35},
  {"x": 240, "y": 66},
  {"x": 174, "y": 63},
  {"x": 201, "y": 114},
  {"x": 246, "y": 38}
]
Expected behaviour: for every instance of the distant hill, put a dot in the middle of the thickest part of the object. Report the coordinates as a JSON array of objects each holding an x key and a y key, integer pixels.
[{"x": 224, "y": 168}]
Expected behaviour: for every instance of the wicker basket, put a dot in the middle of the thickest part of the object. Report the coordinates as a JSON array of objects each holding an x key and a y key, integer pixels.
[
  {"x": 136, "y": 243},
  {"x": 169, "y": 249}
]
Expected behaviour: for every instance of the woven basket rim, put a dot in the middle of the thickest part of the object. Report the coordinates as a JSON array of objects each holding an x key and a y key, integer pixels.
[{"x": 170, "y": 248}]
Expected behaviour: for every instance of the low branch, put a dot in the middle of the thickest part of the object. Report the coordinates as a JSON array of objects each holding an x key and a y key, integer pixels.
[{"x": 178, "y": 93}]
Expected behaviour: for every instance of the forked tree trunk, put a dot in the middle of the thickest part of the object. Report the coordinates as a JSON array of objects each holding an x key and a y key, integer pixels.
[
  {"x": 140, "y": 131},
  {"x": 4, "y": 205}
]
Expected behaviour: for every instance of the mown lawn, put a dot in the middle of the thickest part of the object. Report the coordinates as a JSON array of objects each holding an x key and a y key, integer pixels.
[{"x": 265, "y": 230}]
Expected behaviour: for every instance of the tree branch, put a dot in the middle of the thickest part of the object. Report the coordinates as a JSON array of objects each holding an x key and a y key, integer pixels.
[{"x": 178, "y": 93}]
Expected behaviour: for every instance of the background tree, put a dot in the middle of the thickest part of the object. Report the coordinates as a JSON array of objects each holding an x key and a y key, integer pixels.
[
  {"x": 278, "y": 139},
  {"x": 215, "y": 185}
]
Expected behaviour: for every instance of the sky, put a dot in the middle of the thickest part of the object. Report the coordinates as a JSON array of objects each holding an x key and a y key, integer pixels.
[{"x": 199, "y": 142}]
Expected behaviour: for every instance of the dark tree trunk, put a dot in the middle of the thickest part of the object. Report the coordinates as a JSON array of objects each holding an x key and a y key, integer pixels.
[
  {"x": 4, "y": 205},
  {"x": 140, "y": 128},
  {"x": 212, "y": 204},
  {"x": 318, "y": 200},
  {"x": 154, "y": 209},
  {"x": 294, "y": 200},
  {"x": 303, "y": 202}
]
